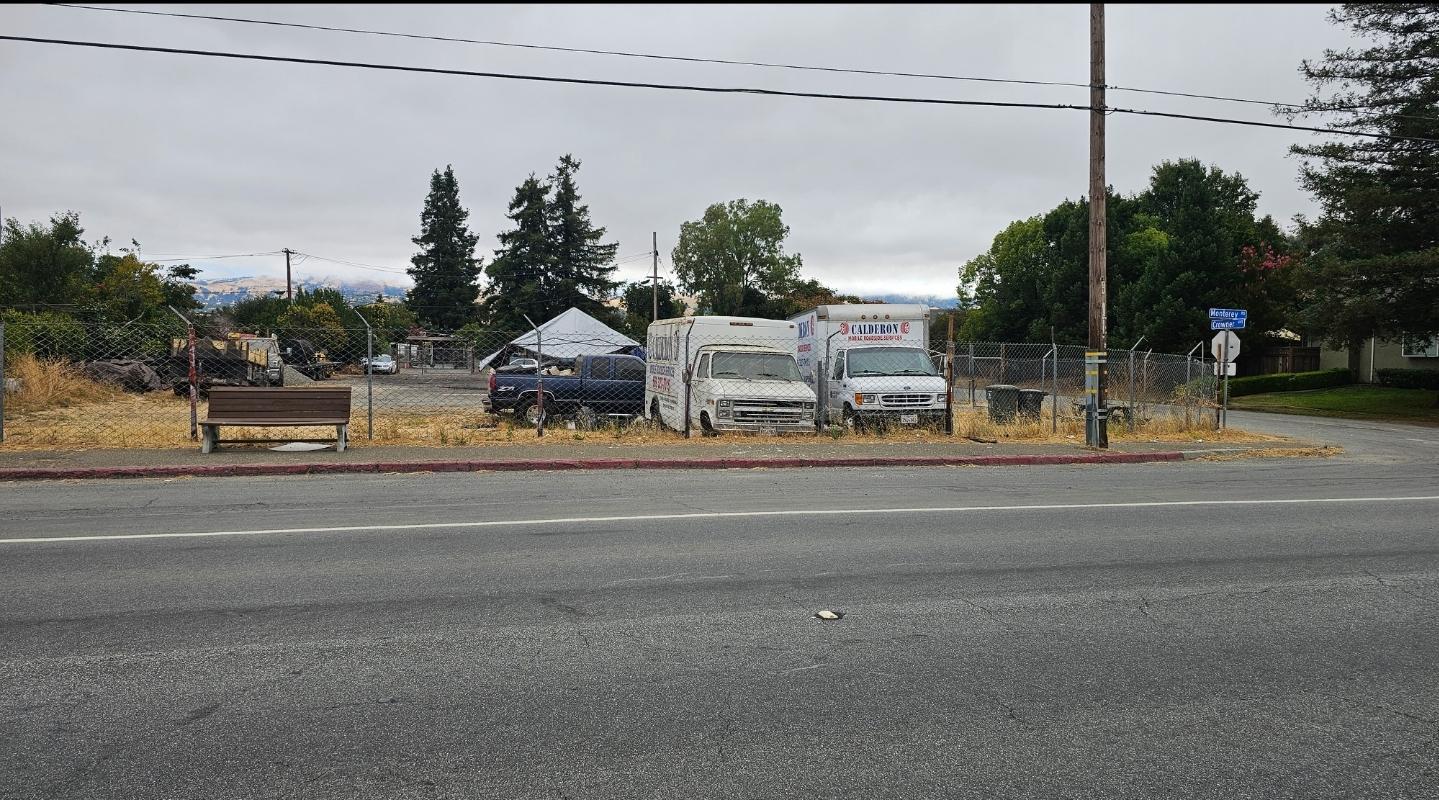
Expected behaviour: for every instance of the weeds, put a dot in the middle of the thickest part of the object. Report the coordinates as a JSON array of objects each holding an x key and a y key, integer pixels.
[
  {"x": 52, "y": 384},
  {"x": 61, "y": 411}
]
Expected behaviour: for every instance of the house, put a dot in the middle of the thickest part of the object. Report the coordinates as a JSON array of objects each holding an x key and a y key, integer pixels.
[{"x": 1414, "y": 352}]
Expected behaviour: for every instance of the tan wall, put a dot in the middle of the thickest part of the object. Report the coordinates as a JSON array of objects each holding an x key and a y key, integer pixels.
[{"x": 1387, "y": 355}]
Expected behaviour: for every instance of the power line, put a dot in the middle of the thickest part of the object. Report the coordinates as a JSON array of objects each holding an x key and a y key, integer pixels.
[
  {"x": 694, "y": 88},
  {"x": 212, "y": 258},
  {"x": 356, "y": 264},
  {"x": 1300, "y": 108},
  {"x": 557, "y": 48}
]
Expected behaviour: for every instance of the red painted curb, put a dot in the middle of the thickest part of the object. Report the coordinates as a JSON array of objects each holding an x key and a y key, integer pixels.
[{"x": 336, "y": 468}]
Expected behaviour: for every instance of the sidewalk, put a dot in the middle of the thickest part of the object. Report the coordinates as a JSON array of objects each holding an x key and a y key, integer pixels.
[{"x": 239, "y": 460}]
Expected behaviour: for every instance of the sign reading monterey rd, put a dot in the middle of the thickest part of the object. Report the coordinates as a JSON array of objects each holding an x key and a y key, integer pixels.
[{"x": 1224, "y": 319}]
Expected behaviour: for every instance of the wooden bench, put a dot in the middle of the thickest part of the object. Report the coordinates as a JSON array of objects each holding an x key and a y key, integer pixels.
[{"x": 274, "y": 408}]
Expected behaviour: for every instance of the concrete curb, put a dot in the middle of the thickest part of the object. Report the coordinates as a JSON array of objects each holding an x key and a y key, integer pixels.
[{"x": 372, "y": 467}]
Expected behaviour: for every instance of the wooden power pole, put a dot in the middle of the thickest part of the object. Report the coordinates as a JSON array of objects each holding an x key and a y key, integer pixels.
[
  {"x": 655, "y": 289},
  {"x": 1097, "y": 432},
  {"x": 289, "y": 290}
]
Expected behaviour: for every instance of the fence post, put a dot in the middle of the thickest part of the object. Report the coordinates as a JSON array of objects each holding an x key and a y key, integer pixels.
[
  {"x": 539, "y": 377},
  {"x": 3, "y": 383},
  {"x": 971, "y": 374},
  {"x": 369, "y": 382},
  {"x": 369, "y": 377},
  {"x": 1130, "y": 415},
  {"x": 1054, "y": 394},
  {"x": 949, "y": 379},
  {"x": 194, "y": 391}
]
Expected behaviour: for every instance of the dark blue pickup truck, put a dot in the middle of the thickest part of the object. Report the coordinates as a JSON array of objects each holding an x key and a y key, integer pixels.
[{"x": 597, "y": 385}]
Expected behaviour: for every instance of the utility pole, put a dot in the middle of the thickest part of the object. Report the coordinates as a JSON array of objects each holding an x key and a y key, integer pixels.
[
  {"x": 289, "y": 291},
  {"x": 655, "y": 289},
  {"x": 1097, "y": 431}
]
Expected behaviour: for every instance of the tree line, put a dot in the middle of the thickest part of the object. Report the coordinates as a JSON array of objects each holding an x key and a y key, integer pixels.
[
  {"x": 1366, "y": 266},
  {"x": 553, "y": 257}
]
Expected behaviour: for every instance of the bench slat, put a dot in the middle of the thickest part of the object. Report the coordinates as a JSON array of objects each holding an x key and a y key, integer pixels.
[
  {"x": 281, "y": 412},
  {"x": 232, "y": 401},
  {"x": 276, "y": 422}
]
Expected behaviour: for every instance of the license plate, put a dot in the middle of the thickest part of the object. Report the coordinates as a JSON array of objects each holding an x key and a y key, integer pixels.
[{"x": 909, "y": 419}]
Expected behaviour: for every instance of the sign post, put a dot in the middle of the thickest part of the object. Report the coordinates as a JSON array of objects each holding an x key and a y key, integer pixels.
[{"x": 1225, "y": 347}]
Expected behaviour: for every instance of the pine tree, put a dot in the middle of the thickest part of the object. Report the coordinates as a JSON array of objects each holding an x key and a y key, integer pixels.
[
  {"x": 583, "y": 266},
  {"x": 1375, "y": 245},
  {"x": 445, "y": 271},
  {"x": 521, "y": 272}
]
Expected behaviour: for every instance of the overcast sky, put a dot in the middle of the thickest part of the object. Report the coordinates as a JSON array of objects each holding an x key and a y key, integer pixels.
[{"x": 195, "y": 156}]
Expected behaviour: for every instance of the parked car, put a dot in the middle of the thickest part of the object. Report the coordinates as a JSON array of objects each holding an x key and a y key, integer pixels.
[
  {"x": 595, "y": 386},
  {"x": 383, "y": 364},
  {"x": 519, "y": 362}
]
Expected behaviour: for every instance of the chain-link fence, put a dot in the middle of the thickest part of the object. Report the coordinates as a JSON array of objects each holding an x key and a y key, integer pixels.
[
  {"x": 75, "y": 385},
  {"x": 1140, "y": 383}
]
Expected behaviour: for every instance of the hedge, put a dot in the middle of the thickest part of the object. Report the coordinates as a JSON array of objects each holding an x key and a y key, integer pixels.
[
  {"x": 1289, "y": 382},
  {"x": 1409, "y": 378}
]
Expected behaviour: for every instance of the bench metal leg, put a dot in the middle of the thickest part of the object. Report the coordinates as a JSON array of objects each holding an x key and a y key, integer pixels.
[
  {"x": 342, "y": 437},
  {"x": 208, "y": 437}
]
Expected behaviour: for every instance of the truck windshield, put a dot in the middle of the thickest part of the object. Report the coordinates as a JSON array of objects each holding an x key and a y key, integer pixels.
[
  {"x": 890, "y": 361},
  {"x": 755, "y": 366}
]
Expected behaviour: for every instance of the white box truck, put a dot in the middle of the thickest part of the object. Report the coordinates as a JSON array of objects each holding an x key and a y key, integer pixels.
[
  {"x": 869, "y": 362},
  {"x": 726, "y": 374}
]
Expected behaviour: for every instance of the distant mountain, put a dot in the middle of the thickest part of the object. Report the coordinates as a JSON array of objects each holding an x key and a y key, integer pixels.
[
  {"x": 226, "y": 291},
  {"x": 933, "y": 301}
]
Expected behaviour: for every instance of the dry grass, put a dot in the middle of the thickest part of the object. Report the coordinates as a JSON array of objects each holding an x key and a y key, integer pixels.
[
  {"x": 1275, "y": 452},
  {"x": 81, "y": 415},
  {"x": 1070, "y": 429},
  {"x": 52, "y": 384}
]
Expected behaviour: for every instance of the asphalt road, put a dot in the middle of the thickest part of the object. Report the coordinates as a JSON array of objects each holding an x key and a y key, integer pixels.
[{"x": 1028, "y": 632}]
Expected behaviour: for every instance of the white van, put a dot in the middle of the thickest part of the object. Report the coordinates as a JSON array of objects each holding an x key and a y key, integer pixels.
[
  {"x": 726, "y": 374},
  {"x": 871, "y": 361}
]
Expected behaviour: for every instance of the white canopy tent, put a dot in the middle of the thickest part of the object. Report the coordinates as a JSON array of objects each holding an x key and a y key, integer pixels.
[{"x": 573, "y": 333}]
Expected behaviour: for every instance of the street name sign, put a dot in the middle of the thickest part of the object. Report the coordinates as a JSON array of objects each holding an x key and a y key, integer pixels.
[{"x": 1224, "y": 319}]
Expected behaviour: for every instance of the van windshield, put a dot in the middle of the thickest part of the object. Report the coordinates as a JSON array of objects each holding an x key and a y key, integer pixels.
[
  {"x": 755, "y": 366},
  {"x": 890, "y": 361}
]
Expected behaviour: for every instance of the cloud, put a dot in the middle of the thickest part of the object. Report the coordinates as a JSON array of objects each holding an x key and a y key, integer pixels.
[{"x": 190, "y": 155}]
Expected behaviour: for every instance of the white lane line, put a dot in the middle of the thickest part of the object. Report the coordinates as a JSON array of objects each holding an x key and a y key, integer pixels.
[{"x": 818, "y": 512}]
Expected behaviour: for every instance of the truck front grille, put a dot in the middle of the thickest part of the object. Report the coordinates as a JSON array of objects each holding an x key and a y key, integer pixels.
[
  {"x": 769, "y": 412},
  {"x": 905, "y": 400}
]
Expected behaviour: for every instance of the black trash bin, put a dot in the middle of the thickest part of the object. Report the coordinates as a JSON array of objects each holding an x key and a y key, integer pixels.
[
  {"x": 1003, "y": 401},
  {"x": 1031, "y": 402}
]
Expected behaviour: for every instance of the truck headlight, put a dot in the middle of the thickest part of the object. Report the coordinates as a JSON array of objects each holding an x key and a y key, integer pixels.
[
  {"x": 808, "y": 406},
  {"x": 724, "y": 408},
  {"x": 861, "y": 399},
  {"x": 939, "y": 398}
]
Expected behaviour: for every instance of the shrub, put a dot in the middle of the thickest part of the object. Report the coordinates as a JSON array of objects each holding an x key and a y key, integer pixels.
[
  {"x": 46, "y": 384},
  {"x": 44, "y": 335},
  {"x": 1289, "y": 382},
  {"x": 1409, "y": 378}
]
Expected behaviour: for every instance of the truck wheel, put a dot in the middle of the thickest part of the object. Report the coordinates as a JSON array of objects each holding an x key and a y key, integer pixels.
[
  {"x": 852, "y": 421},
  {"x": 706, "y": 428},
  {"x": 655, "y": 414},
  {"x": 528, "y": 411}
]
